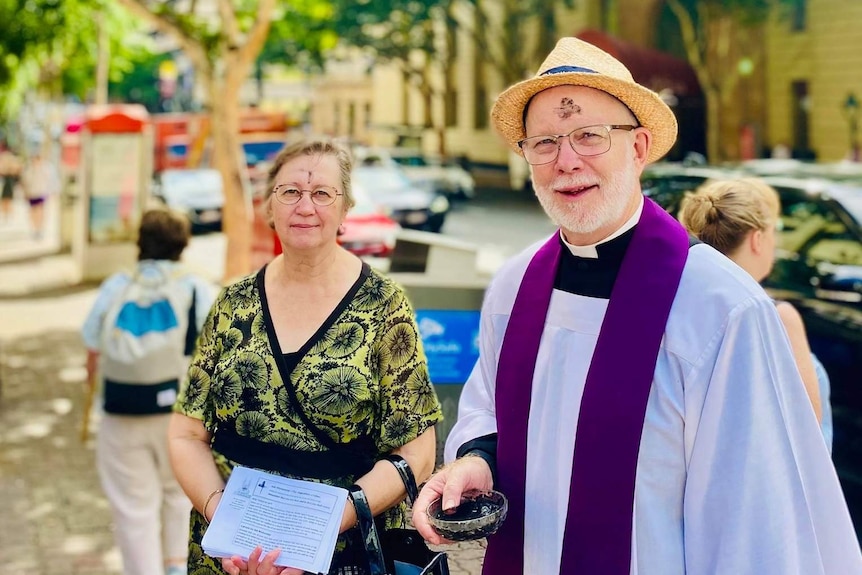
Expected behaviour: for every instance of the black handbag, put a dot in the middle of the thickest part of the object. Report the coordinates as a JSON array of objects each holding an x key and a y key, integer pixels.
[{"x": 396, "y": 551}]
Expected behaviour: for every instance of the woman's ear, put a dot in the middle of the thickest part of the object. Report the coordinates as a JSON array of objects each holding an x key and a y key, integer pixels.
[
  {"x": 267, "y": 213},
  {"x": 755, "y": 242}
]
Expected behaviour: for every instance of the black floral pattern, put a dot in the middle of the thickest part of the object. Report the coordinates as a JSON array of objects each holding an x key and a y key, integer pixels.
[
  {"x": 365, "y": 375},
  {"x": 400, "y": 340},
  {"x": 252, "y": 371}
]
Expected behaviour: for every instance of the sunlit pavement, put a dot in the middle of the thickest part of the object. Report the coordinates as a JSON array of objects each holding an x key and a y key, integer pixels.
[
  {"x": 53, "y": 516},
  {"x": 18, "y": 239}
]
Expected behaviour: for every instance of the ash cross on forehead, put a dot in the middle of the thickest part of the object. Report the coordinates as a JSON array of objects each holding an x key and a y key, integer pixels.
[
  {"x": 309, "y": 176},
  {"x": 567, "y": 108}
]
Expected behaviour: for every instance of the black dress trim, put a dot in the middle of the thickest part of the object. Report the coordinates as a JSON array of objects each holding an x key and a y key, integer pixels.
[
  {"x": 278, "y": 354},
  {"x": 341, "y": 460},
  {"x": 354, "y": 458}
]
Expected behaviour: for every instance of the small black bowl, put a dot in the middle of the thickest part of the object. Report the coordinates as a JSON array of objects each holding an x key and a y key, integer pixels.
[{"x": 479, "y": 515}]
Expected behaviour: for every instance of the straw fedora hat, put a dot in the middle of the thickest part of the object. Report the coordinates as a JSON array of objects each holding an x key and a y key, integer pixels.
[{"x": 579, "y": 63}]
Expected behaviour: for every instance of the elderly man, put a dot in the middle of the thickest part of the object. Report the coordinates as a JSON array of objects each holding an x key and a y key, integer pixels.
[{"x": 635, "y": 397}]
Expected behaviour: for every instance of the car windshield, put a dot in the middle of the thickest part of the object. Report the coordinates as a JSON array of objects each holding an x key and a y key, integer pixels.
[
  {"x": 376, "y": 178},
  {"x": 818, "y": 229},
  {"x": 852, "y": 202},
  {"x": 850, "y": 197},
  {"x": 364, "y": 206}
]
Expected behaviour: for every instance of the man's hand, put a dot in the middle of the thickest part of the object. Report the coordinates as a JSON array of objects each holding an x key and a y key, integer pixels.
[{"x": 467, "y": 473}]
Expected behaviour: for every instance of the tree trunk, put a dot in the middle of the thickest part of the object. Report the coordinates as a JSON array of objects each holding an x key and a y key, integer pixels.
[
  {"x": 228, "y": 159},
  {"x": 238, "y": 51},
  {"x": 713, "y": 123},
  {"x": 103, "y": 59}
]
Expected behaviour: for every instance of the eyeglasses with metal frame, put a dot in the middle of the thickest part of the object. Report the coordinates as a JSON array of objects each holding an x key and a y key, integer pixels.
[
  {"x": 586, "y": 141},
  {"x": 320, "y": 196}
]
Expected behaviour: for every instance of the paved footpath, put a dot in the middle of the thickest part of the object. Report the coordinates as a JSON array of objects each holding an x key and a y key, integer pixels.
[{"x": 54, "y": 519}]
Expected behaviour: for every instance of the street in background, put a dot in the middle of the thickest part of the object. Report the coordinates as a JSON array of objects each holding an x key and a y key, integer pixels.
[
  {"x": 442, "y": 175},
  {"x": 408, "y": 204},
  {"x": 198, "y": 193}
]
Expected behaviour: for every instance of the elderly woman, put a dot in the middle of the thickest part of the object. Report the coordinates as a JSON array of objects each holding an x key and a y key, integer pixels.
[
  {"x": 739, "y": 217},
  {"x": 311, "y": 368}
]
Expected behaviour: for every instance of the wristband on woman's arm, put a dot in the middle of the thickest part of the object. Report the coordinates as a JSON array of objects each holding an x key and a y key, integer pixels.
[
  {"x": 406, "y": 474},
  {"x": 207, "y": 503}
]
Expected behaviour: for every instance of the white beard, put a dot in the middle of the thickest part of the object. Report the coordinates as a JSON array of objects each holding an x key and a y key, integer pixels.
[{"x": 609, "y": 206}]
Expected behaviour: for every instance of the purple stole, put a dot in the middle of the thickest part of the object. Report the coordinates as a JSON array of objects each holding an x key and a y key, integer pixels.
[{"x": 598, "y": 531}]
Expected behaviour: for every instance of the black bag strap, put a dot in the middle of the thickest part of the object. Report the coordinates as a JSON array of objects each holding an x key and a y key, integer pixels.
[
  {"x": 439, "y": 563},
  {"x": 192, "y": 328},
  {"x": 324, "y": 438},
  {"x": 368, "y": 530},
  {"x": 406, "y": 476}
]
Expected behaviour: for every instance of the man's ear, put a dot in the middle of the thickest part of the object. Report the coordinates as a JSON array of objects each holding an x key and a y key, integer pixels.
[{"x": 642, "y": 145}]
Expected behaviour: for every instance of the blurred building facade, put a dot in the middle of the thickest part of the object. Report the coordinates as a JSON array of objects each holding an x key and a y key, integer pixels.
[
  {"x": 342, "y": 98},
  {"x": 814, "y": 79},
  {"x": 793, "y": 82}
]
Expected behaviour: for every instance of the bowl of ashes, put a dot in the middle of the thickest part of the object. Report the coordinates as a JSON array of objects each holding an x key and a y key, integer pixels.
[{"x": 479, "y": 515}]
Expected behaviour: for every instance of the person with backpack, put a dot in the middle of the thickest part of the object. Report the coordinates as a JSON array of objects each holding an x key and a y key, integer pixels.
[{"x": 139, "y": 336}]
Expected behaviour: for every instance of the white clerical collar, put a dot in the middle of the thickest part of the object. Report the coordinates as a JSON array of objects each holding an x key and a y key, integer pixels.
[{"x": 590, "y": 250}]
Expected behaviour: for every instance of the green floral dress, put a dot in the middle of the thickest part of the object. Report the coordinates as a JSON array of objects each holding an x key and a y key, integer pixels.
[{"x": 362, "y": 379}]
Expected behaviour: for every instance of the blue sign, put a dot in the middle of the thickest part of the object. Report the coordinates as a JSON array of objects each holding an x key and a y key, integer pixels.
[{"x": 451, "y": 342}]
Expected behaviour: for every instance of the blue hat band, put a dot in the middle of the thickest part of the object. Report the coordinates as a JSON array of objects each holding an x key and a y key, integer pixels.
[{"x": 565, "y": 69}]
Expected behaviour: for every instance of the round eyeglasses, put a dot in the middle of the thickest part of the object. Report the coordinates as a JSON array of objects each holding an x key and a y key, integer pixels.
[
  {"x": 321, "y": 195},
  {"x": 586, "y": 141}
]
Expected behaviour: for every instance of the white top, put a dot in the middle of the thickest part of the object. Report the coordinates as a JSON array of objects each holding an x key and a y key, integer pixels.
[
  {"x": 41, "y": 179},
  {"x": 733, "y": 476},
  {"x": 114, "y": 286}
]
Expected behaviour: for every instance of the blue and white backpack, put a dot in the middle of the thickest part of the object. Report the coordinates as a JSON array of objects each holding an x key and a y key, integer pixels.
[{"x": 149, "y": 334}]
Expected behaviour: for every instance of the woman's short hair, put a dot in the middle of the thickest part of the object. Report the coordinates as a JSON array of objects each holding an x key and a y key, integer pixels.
[
  {"x": 163, "y": 235},
  {"x": 722, "y": 213},
  {"x": 313, "y": 146}
]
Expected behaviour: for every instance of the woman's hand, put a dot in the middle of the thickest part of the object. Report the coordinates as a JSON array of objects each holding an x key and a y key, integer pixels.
[{"x": 256, "y": 565}]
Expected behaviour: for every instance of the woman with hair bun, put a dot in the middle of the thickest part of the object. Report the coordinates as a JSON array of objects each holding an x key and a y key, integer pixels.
[{"x": 740, "y": 218}]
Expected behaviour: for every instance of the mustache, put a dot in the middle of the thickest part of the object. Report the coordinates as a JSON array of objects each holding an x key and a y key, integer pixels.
[{"x": 570, "y": 182}]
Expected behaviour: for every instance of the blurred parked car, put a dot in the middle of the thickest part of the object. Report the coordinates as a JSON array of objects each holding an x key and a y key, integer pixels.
[
  {"x": 444, "y": 175},
  {"x": 429, "y": 171},
  {"x": 199, "y": 193},
  {"x": 408, "y": 204},
  {"x": 368, "y": 230},
  {"x": 819, "y": 271},
  {"x": 843, "y": 171},
  {"x": 775, "y": 167},
  {"x": 850, "y": 172},
  {"x": 666, "y": 183}
]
